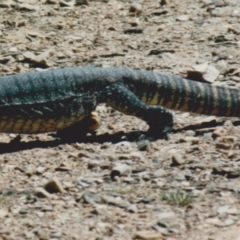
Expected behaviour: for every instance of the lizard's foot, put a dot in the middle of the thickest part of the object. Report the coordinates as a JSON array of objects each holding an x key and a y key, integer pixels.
[
  {"x": 160, "y": 122},
  {"x": 88, "y": 124},
  {"x": 154, "y": 133},
  {"x": 91, "y": 123}
]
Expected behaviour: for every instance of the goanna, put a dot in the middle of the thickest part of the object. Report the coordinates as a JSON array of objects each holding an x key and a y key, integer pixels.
[{"x": 53, "y": 100}]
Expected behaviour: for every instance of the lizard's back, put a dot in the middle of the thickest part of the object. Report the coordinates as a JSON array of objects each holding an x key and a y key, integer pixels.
[{"x": 46, "y": 101}]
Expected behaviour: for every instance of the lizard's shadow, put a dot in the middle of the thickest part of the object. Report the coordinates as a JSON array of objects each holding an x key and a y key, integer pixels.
[
  {"x": 16, "y": 145},
  {"x": 75, "y": 136}
]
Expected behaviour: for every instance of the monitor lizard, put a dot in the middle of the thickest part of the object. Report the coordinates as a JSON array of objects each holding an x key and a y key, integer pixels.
[{"x": 52, "y": 100}]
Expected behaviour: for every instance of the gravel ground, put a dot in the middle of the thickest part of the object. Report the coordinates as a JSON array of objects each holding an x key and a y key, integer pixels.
[{"x": 112, "y": 185}]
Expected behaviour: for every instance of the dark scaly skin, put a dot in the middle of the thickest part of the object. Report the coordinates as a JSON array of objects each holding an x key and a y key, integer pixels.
[{"x": 57, "y": 99}]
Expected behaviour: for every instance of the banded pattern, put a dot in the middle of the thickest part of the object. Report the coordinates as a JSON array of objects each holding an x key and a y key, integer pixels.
[
  {"x": 185, "y": 95},
  {"x": 57, "y": 99},
  {"x": 43, "y": 117}
]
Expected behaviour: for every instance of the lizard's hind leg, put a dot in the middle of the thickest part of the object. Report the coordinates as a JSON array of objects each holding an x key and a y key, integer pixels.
[{"x": 159, "y": 119}]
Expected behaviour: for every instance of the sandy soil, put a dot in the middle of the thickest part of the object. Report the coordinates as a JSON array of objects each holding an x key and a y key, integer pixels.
[{"x": 114, "y": 186}]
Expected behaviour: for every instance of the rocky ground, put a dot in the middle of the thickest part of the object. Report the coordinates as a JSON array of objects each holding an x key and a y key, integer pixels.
[{"x": 112, "y": 185}]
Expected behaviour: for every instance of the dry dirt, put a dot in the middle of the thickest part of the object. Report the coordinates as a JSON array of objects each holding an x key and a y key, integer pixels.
[{"x": 112, "y": 186}]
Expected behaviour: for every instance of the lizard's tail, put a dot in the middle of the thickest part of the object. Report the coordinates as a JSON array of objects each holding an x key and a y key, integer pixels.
[{"x": 185, "y": 95}]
